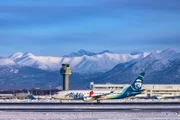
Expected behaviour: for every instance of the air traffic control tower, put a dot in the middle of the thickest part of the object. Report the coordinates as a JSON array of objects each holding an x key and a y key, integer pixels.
[{"x": 65, "y": 71}]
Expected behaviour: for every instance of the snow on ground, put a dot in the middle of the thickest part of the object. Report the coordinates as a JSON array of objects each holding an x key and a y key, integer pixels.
[
  {"x": 81, "y": 101},
  {"x": 88, "y": 116}
]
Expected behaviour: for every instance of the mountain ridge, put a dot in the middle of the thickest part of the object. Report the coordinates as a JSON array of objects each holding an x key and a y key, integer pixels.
[
  {"x": 160, "y": 68},
  {"x": 100, "y": 62},
  {"x": 83, "y": 52}
]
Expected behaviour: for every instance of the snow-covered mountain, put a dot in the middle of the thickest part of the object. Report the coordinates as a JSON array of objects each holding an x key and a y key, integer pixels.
[
  {"x": 25, "y": 70},
  {"x": 160, "y": 67},
  {"x": 86, "y": 62},
  {"x": 105, "y": 51},
  {"x": 83, "y": 52},
  {"x": 80, "y": 53}
]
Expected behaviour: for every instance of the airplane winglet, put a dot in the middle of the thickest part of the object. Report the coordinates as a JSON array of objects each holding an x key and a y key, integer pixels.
[{"x": 142, "y": 75}]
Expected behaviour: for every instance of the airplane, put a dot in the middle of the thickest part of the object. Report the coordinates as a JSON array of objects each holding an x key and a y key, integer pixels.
[
  {"x": 31, "y": 96},
  {"x": 18, "y": 96},
  {"x": 89, "y": 95}
]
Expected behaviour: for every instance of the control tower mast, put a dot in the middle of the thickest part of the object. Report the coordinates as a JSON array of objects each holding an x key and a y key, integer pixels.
[{"x": 65, "y": 71}]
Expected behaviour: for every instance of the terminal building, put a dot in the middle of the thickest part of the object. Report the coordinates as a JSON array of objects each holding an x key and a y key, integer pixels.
[{"x": 151, "y": 90}]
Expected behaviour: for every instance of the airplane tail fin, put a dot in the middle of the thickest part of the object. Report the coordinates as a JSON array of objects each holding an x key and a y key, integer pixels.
[
  {"x": 137, "y": 84},
  {"x": 31, "y": 96},
  {"x": 135, "y": 88}
]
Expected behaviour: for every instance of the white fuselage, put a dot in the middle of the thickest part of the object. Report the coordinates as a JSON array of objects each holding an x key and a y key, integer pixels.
[{"x": 81, "y": 94}]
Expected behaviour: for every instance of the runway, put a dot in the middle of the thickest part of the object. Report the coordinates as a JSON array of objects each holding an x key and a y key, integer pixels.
[
  {"x": 90, "y": 107},
  {"x": 92, "y": 103},
  {"x": 91, "y": 110}
]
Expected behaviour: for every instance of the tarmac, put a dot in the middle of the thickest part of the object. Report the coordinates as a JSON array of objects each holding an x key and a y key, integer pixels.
[
  {"x": 89, "y": 115},
  {"x": 77, "y": 110},
  {"x": 92, "y": 107}
]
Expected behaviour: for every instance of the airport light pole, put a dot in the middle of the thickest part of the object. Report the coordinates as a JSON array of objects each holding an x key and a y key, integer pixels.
[
  {"x": 37, "y": 94},
  {"x": 50, "y": 91}
]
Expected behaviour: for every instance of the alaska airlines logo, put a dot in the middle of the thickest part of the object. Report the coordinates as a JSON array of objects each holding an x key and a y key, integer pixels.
[
  {"x": 75, "y": 95},
  {"x": 138, "y": 84}
]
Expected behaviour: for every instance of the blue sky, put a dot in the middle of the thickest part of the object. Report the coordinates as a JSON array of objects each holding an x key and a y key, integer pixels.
[{"x": 58, "y": 27}]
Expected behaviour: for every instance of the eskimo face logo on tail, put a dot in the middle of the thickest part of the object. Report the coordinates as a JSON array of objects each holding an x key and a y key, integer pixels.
[{"x": 138, "y": 84}]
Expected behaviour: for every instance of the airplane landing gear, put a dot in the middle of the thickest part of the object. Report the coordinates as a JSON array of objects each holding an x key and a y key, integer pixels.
[
  {"x": 60, "y": 101},
  {"x": 98, "y": 101}
]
